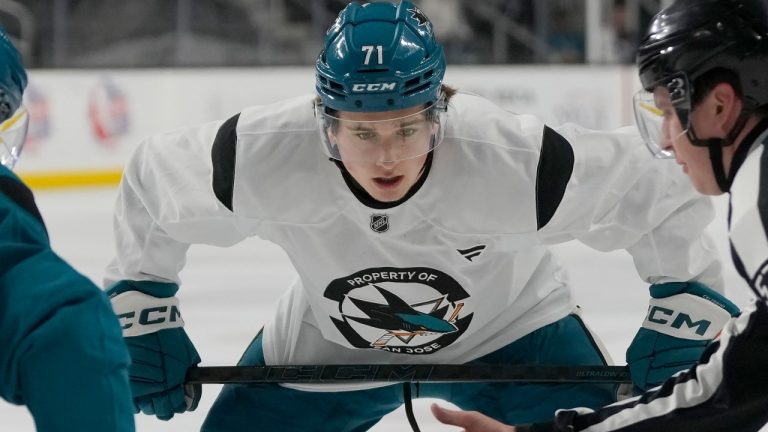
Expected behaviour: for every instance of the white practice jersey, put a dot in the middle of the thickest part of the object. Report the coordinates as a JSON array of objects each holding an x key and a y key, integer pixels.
[{"x": 459, "y": 269}]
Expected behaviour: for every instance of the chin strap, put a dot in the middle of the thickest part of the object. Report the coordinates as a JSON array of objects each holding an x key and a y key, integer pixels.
[{"x": 715, "y": 146}]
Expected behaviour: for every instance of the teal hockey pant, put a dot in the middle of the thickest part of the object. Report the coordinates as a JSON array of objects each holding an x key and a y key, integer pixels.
[{"x": 270, "y": 407}]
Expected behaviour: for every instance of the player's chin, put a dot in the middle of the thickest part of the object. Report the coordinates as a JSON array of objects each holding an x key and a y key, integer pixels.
[
  {"x": 387, "y": 196},
  {"x": 705, "y": 183}
]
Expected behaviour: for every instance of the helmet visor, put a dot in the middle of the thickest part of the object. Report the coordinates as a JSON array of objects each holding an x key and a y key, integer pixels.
[
  {"x": 356, "y": 139},
  {"x": 649, "y": 119},
  {"x": 664, "y": 115},
  {"x": 13, "y": 133}
]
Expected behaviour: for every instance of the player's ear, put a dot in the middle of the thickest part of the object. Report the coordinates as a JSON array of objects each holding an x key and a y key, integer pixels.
[
  {"x": 723, "y": 106},
  {"x": 724, "y": 99}
]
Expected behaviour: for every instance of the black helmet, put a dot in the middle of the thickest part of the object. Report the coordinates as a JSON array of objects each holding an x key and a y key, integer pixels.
[
  {"x": 693, "y": 37},
  {"x": 685, "y": 41}
]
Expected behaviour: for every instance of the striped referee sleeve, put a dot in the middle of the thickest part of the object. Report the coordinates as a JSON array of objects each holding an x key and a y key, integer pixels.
[
  {"x": 748, "y": 221},
  {"x": 726, "y": 391}
]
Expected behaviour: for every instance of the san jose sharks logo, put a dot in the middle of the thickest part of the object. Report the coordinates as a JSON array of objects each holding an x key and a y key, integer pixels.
[
  {"x": 375, "y": 315},
  {"x": 423, "y": 26},
  {"x": 397, "y": 314},
  {"x": 419, "y": 16}
]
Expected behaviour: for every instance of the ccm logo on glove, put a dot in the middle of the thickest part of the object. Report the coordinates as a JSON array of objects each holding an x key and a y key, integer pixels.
[
  {"x": 661, "y": 315},
  {"x": 702, "y": 320},
  {"x": 141, "y": 314}
]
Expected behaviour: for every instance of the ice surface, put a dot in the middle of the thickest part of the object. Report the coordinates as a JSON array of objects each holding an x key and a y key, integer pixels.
[{"x": 228, "y": 294}]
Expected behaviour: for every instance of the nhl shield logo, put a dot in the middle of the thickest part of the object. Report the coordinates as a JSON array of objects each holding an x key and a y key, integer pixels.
[{"x": 379, "y": 223}]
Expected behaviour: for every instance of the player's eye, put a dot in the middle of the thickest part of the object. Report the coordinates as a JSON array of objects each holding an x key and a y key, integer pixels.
[
  {"x": 406, "y": 132},
  {"x": 364, "y": 135}
]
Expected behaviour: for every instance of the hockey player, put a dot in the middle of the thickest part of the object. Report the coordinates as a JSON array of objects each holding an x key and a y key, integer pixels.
[
  {"x": 418, "y": 219},
  {"x": 703, "y": 65},
  {"x": 62, "y": 355}
]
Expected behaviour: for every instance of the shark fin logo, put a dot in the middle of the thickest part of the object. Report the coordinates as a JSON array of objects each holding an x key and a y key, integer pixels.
[
  {"x": 403, "y": 321},
  {"x": 377, "y": 317},
  {"x": 419, "y": 16}
]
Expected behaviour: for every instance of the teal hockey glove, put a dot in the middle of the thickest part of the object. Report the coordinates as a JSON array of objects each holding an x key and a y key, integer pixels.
[
  {"x": 683, "y": 318},
  {"x": 160, "y": 349}
]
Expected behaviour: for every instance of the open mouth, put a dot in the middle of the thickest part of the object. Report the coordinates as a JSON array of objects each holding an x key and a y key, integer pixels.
[{"x": 388, "y": 182}]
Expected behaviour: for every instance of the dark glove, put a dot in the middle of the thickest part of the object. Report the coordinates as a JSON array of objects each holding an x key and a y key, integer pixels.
[{"x": 161, "y": 352}]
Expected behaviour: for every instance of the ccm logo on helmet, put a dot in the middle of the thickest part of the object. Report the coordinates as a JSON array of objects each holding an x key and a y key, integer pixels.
[{"x": 373, "y": 87}]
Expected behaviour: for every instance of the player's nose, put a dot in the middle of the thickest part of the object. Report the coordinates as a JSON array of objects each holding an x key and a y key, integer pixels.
[{"x": 389, "y": 155}]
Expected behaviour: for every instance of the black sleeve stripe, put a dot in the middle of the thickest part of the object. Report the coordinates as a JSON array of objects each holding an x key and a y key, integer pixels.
[
  {"x": 762, "y": 194},
  {"x": 745, "y": 243},
  {"x": 762, "y": 209},
  {"x": 552, "y": 174},
  {"x": 21, "y": 195},
  {"x": 223, "y": 158}
]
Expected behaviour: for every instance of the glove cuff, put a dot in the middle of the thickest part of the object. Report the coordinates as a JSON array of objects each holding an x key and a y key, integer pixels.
[
  {"x": 698, "y": 289},
  {"x": 688, "y": 310},
  {"x": 141, "y": 314},
  {"x": 152, "y": 288}
]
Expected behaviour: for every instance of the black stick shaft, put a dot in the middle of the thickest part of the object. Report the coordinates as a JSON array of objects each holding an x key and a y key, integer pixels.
[{"x": 318, "y": 374}]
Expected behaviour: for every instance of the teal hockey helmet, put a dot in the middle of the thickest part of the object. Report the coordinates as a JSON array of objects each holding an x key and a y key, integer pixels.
[
  {"x": 13, "y": 117},
  {"x": 13, "y": 78},
  {"x": 379, "y": 57}
]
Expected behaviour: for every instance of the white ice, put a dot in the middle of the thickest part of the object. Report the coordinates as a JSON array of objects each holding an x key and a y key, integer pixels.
[{"x": 228, "y": 293}]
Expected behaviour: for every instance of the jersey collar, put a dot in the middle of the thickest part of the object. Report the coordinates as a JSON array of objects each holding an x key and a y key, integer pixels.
[{"x": 366, "y": 199}]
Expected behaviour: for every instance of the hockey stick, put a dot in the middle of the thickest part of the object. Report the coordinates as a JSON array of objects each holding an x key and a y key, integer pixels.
[{"x": 318, "y": 374}]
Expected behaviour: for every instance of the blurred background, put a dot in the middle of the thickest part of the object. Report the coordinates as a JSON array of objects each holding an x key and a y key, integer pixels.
[
  {"x": 104, "y": 74},
  {"x": 187, "y": 33}
]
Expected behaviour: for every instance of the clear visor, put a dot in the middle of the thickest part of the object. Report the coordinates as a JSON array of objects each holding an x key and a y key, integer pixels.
[
  {"x": 664, "y": 115},
  {"x": 358, "y": 139},
  {"x": 13, "y": 133},
  {"x": 650, "y": 119}
]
